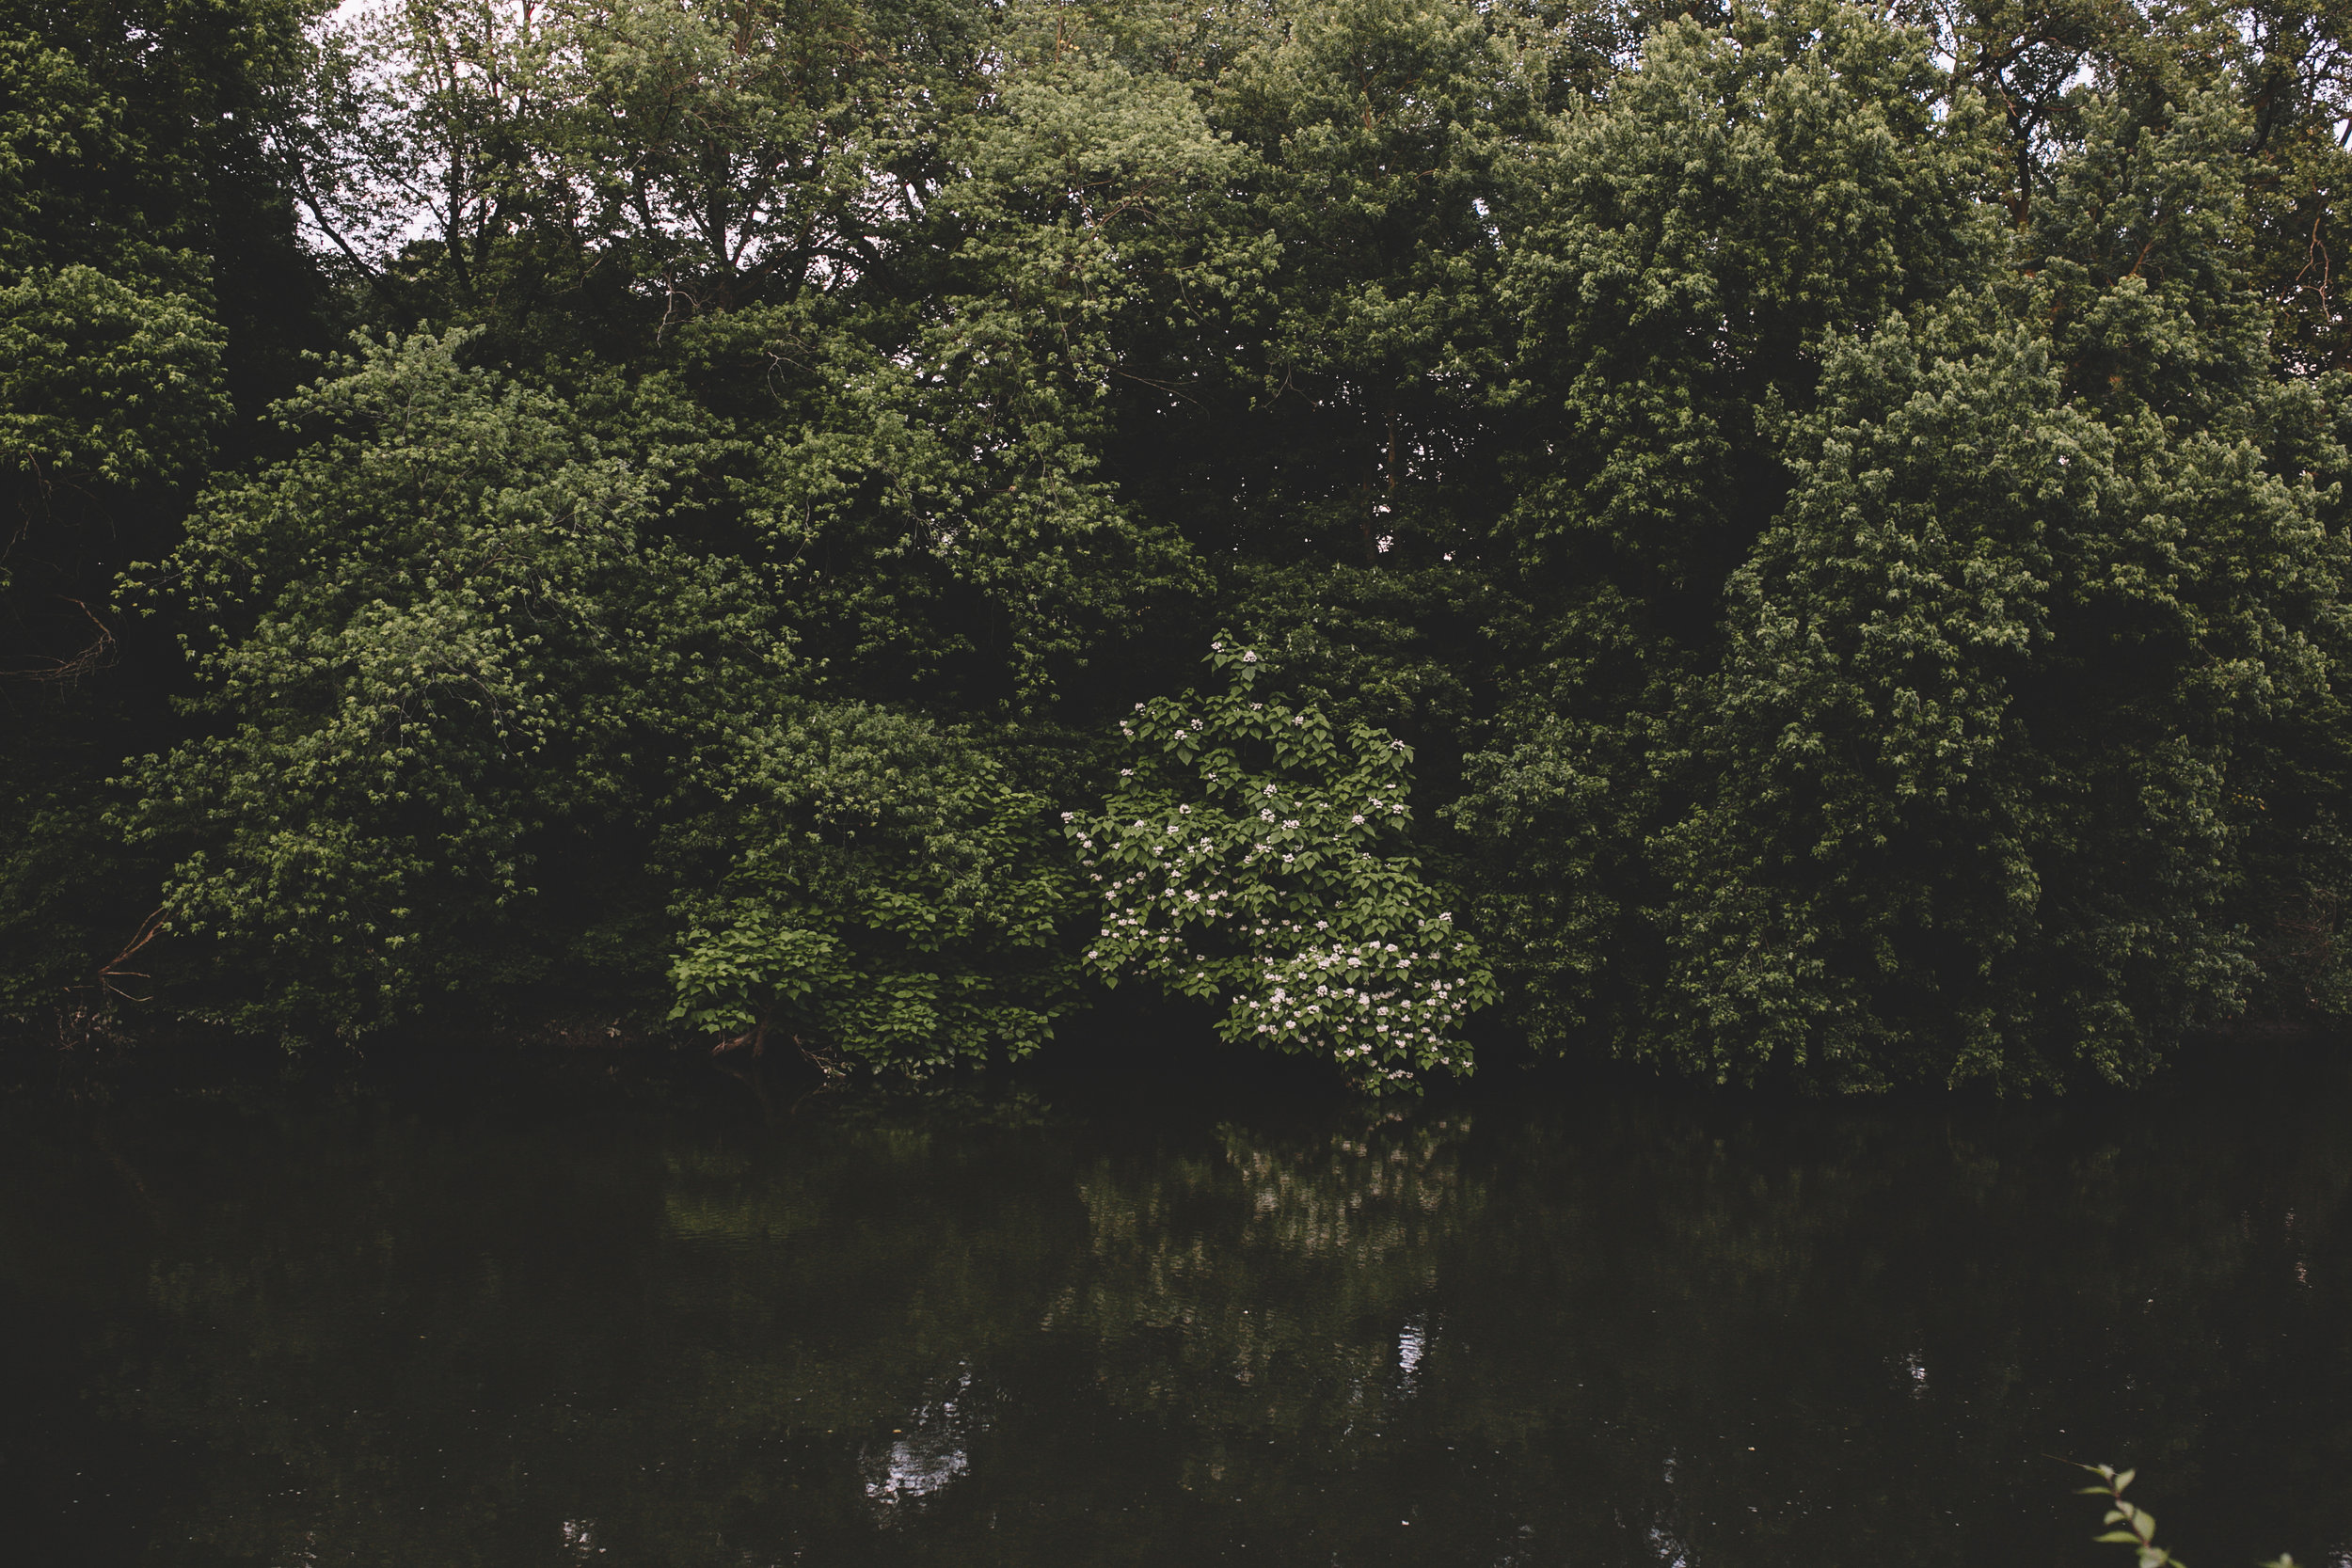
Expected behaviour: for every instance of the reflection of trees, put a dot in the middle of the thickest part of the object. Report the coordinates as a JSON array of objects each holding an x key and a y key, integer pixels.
[
  {"x": 913, "y": 1331},
  {"x": 395, "y": 1339},
  {"x": 1263, "y": 1286}
]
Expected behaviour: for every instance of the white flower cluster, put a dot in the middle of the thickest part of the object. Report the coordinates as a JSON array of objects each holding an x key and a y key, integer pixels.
[{"x": 1380, "y": 1009}]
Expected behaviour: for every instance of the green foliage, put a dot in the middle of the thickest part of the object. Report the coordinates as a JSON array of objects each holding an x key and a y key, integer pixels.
[
  {"x": 1556, "y": 810},
  {"x": 142, "y": 232},
  {"x": 1976, "y": 796},
  {"x": 65, "y": 923},
  {"x": 958, "y": 449},
  {"x": 1749, "y": 189},
  {"x": 150, "y": 284},
  {"x": 104, "y": 384},
  {"x": 2134, "y": 1527},
  {"x": 886, "y": 894},
  {"x": 1846, "y": 506},
  {"x": 1240, "y": 860},
  {"x": 442, "y": 627}
]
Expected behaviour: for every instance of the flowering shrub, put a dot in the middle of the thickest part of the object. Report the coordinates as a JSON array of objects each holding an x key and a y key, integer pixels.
[{"x": 1244, "y": 858}]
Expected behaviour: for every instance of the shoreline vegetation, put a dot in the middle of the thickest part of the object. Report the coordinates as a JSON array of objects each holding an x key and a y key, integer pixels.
[{"x": 1794, "y": 545}]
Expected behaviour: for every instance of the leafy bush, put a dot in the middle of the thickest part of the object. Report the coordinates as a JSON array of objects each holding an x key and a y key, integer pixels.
[
  {"x": 431, "y": 647},
  {"x": 1249, "y": 857},
  {"x": 886, "y": 894}
]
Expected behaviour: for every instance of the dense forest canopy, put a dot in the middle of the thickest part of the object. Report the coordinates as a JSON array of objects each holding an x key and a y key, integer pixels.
[{"x": 1802, "y": 542}]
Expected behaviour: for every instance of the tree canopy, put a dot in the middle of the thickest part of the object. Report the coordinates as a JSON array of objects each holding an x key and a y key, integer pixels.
[{"x": 745, "y": 518}]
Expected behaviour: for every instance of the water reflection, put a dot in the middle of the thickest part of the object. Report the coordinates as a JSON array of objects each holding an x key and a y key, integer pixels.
[
  {"x": 925, "y": 1454},
  {"x": 1412, "y": 1340},
  {"x": 647, "y": 1324}
]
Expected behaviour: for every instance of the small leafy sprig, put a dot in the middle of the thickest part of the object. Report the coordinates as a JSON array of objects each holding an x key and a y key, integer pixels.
[
  {"x": 1247, "y": 857},
  {"x": 2130, "y": 1524}
]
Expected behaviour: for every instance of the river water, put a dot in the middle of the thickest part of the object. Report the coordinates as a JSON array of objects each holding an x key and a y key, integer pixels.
[{"x": 577, "y": 1312}]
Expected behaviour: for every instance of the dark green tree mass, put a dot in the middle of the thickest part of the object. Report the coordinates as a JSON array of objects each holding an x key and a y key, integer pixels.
[{"x": 710, "y": 518}]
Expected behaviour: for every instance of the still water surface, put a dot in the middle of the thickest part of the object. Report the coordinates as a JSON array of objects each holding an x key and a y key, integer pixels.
[{"x": 573, "y": 1313}]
